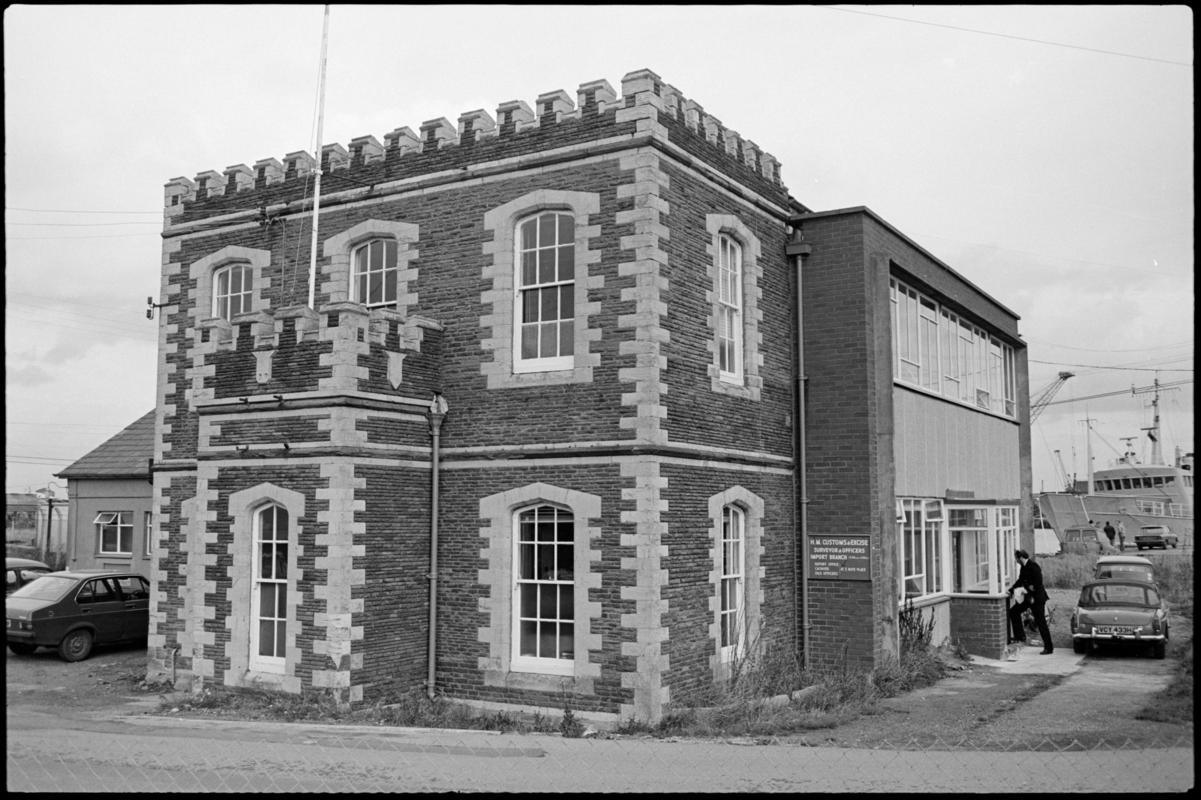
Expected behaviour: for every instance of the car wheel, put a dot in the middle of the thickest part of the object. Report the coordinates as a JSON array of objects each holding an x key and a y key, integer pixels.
[
  {"x": 76, "y": 645},
  {"x": 1159, "y": 649},
  {"x": 1079, "y": 646},
  {"x": 22, "y": 648}
]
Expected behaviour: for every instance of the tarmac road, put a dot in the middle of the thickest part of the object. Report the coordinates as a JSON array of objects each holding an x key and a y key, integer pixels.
[
  {"x": 77, "y": 727},
  {"x": 140, "y": 753}
]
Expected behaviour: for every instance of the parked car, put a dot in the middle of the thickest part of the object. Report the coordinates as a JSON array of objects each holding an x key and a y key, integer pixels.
[
  {"x": 1135, "y": 567},
  {"x": 1120, "y": 610},
  {"x": 1081, "y": 539},
  {"x": 1155, "y": 536},
  {"x": 74, "y": 611},
  {"x": 20, "y": 571}
]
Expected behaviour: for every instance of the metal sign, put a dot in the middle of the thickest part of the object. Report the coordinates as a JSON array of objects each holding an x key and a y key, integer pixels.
[{"x": 840, "y": 557}]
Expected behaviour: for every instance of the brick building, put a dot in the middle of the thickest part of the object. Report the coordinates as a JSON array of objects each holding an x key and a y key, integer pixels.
[{"x": 562, "y": 344}]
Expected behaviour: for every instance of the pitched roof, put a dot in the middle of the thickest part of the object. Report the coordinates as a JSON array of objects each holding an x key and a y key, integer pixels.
[{"x": 126, "y": 455}]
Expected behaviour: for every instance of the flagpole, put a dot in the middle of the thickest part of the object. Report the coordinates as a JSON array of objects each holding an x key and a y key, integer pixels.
[{"x": 317, "y": 179}]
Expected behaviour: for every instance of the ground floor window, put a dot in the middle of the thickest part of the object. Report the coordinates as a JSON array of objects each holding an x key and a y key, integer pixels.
[
  {"x": 733, "y": 592},
  {"x": 545, "y": 578},
  {"x": 114, "y": 532},
  {"x": 956, "y": 548},
  {"x": 920, "y": 532},
  {"x": 269, "y": 615}
]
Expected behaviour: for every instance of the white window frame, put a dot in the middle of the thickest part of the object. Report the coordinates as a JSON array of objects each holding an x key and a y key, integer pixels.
[
  {"x": 276, "y": 661},
  {"x": 123, "y": 526},
  {"x": 558, "y": 581},
  {"x": 982, "y": 546},
  {"x": 148, "y": 533},
  {"x": 362, "y": 270},
  {"x": 732, "y": 584},
  {"x": 224, "y": 297},
  {"x": 730, "y": 334},
  {"x": 555, "y": 282},
  {"x": 922, "y": 548},
  {"x": 940, "y": 353}
]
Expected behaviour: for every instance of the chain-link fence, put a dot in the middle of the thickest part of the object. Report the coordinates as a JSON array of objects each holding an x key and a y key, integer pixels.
[{"x": 141, "y": 755}]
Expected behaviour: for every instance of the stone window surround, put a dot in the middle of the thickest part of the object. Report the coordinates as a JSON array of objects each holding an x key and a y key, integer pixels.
[
  {"x": 204, "y": 270},
  {"x": 339, "y": 252},
  {"x": 498, "y": 550},
  {"x": 750, "y": 386},
  {"x": 242, "y": 507},
  {"x": 502, "y": 297},
  {"x": 751, "y": 506}
]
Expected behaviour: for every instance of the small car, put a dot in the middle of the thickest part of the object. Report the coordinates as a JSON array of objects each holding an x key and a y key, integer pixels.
[
  {"x": 74, "y": 611},
  {"x": 1120, "y": 610},
  {"x": 1081, "y": 539},
  {"x": 1135, "y": 567},
  {"x": 20, "y": 571},
  {"x": 1155, "y": 536}
]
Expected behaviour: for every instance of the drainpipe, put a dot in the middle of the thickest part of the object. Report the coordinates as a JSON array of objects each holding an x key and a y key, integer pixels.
[
  {"x": 438, "y": 408},
  {"x": 797, "y": 248}
]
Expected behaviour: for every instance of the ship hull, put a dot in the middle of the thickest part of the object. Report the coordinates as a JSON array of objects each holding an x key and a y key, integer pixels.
[{"x": 1065, "y": 510}]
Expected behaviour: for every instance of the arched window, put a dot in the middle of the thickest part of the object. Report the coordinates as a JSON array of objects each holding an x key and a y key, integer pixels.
[
  {"x": 544, "y": 614},
  {"x": 269, "y": 596},
  {"x": 732, "y": 552},
  {"x": 374, "y": 272},
  {"x": 545, "y": 291},
  {"x": 729, "y": 298},
  {"x": 233, "y": 290}
]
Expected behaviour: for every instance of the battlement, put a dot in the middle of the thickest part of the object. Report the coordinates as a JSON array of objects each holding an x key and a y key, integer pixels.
[
  {"x": 342, "y": 347},
  {"x": 643, "y": 97}
]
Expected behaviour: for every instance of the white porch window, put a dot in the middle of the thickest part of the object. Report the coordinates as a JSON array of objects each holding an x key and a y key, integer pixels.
[
  {"x": 983, "y": 539},
  {"x": 920, "y": 536}
]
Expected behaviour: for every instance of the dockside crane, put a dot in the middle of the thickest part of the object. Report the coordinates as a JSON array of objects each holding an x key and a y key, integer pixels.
[{"x": 1046, "y": 394}]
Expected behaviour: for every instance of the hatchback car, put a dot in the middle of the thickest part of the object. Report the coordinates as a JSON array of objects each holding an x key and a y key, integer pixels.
[
  {"x": 74, "y": 611},
  {"x": 20, "y": 571},
  {"x": 1155, "y": 536},
  {"x": 1123, "y": 611},
  {"x": 1135, "y": 567}
]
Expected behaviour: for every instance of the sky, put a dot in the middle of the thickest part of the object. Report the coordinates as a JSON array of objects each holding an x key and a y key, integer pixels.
[{"x": 1045, "y": 153}]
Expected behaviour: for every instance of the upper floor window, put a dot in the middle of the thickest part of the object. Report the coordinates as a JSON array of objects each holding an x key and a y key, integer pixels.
[
  {"x": 544, "y": 611},
  {"x": 114, "y": 532},
  {"x": 545, "y": 294},
  {"x": 233, "y": 290},
  {"x": 945, "y": 354},
  {"x": 729, "y": 308},
  {"x": 148, "y": 524},
  {"x": 373, "y": 276}
]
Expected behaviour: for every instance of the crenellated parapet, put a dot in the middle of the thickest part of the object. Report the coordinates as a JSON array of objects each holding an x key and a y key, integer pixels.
[
  {"x": 644, "y": 97},
  {"x": 342, "y": 348}
]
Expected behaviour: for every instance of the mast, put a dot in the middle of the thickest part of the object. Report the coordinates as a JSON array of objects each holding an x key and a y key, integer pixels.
[
  {"x": 1088, "y": 450},
  {"x": 317, "y": 178},
  {"x": 1153, "y": 431}
]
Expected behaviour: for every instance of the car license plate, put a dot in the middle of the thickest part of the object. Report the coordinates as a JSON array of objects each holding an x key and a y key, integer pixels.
[{"x": 1113, "y": 630}]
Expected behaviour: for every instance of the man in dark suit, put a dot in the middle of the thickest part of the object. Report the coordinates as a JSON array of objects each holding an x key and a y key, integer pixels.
[{"x": 1030, "y": 579}]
